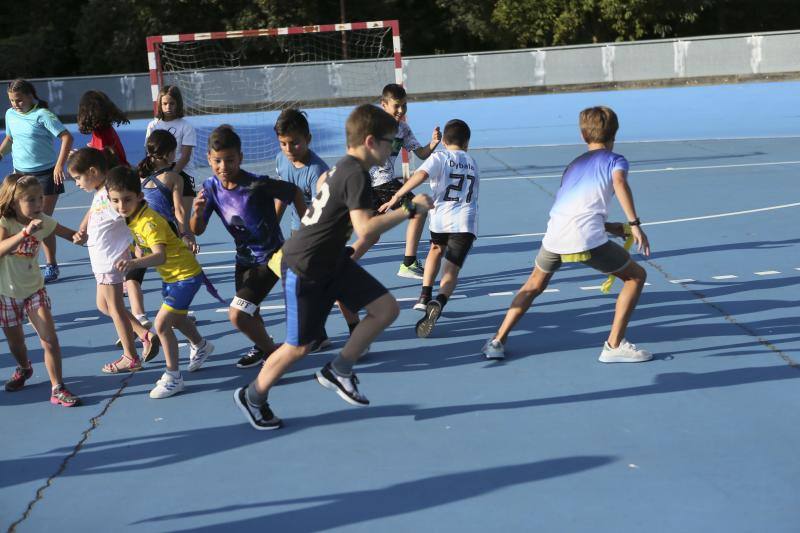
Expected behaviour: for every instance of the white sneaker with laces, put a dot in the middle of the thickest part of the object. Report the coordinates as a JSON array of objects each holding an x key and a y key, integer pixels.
[
  {"x": 626, "y": 352},
  {"x": 494, "y": 349},
  {"x": 167, "y": 386},
  {"x": 199, "y": 354}
]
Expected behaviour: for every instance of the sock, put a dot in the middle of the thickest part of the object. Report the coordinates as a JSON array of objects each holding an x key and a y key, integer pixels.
[
  {"x": 442, "y": 299},
  {"x": 427, "y": 291},
  {"x": 342, "y": 366},
  {"x": 141, "y": 318},
  {"x": 57, "y": 387},
  {"x": 352, "y": 326},
  {"x": 253, "y": 397},
  {"x": 197, "y": 346},
  {"x": 409, "y": 260},
  {"x": 175, "y": 374}
]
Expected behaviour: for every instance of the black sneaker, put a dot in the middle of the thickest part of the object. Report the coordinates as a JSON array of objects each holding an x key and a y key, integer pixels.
[
  {"x": 346, "y": 388},
  {"x": 261, "y": 418},
  {"x": 432, "y": 313},
  {"x": 252, "y": 358},
  {"x": 17, "y": 380},
  {"x": 422, "y": 303},
  {"x": 320, "y": 345}
]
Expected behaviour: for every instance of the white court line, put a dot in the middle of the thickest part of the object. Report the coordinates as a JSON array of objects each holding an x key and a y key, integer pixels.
[
  {"x": 653, "y": 170},
  {"x": 767, "y": 273},
  {"x": 552, "y": 290},
  {"x": 407, "y": 299},
  {"x": 221, "y": 267},
  {"x": 591, "y": 288},
  {"x": 725, "y": 276},
  {"x": 86, "y": 318},
  {"x": 687, "y": 280},
  {"x": 504, "y": 293}
]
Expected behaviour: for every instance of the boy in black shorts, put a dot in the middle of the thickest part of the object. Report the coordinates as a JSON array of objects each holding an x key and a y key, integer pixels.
[
  {"x": 317, "y": 269},
  {"x": 249, "y": 207}
]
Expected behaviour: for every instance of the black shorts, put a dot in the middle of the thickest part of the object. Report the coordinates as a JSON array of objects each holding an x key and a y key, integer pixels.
[
  {"x": 456, "y": 245},
  {"x": 383, "y": 193},
  {"x": 309, "y": 301},
  {"x": 188, "y": 185},
  {"x": 253, "y": 283},
  {"x": 137, "y": 274},
  {"x": 48, "y": 183}
]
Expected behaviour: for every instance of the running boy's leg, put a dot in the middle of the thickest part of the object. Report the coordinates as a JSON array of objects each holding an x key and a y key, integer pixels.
[
  {"x": 533, "y": 287},
  {"x": 380, "y": 314},
  {"x": 634, "y": 277},
  {"x": 252, "y": 286}
]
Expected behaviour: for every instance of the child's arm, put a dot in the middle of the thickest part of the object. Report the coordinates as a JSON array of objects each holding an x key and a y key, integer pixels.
[
  {"x": 369, "y": 227},
  {"x": 66, "y": 146},
  {"x": 10, "y": 243},
  {"x": 625, "y": 196},
  {"x": 186, "y": 155},
  {"x": 423, "y": 152},
  {"x": 198, "y": 222},
  {"x": 5, "y": 146},
  {"x": 66, "y": 233},
  {"x": 414, "y": 181},
  {"x": 158, "y": 257}
]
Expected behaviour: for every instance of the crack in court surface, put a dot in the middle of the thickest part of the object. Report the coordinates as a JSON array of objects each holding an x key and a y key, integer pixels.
[{"x": 94, "y": 422}]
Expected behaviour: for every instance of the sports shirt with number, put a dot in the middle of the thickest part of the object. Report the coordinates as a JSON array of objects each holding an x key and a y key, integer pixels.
[
  {"x": 316, "y": 248},
  {"x": 454, "y": 181}
]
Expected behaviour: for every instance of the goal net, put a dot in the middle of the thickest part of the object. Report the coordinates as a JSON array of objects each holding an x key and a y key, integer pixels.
[{"x": 246, "y": 78}]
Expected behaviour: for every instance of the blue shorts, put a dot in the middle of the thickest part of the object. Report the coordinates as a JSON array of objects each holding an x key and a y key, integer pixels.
[
  {"x": 46, "y": 180},
  {"x": 178, "y": 295}
]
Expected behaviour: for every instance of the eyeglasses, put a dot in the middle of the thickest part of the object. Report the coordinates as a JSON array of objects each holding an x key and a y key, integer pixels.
[{"x": 386, "y": 139}]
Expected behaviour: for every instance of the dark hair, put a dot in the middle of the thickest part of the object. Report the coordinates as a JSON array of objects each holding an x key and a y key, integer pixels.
[
  {"x": 14, "y": 185},
  {"x": 598, "y": 124},
  {"x": 83, "y": 159},
  {"x": 394, "y": 91},
  {"x": 96, "y": 111},
  {"x": 159, "y": 145},
  {"x": 223, "y": 138},
  {"x": 175, "y": 93},
  {"x": 292, "y": 121},
  {"x": 25, "y": 87},
  {"x": 123, "y": 179},
  {"x": 456, "y": 132},
  {"x": 368, "y": 120}
]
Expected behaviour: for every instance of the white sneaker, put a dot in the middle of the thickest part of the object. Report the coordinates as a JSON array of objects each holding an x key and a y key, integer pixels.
[
  {"x": 494, "y": 349},
  {"x": 166, "y": 386},
  {"x": 198, "y": 355},
  {"x": 626, "y": 352}
]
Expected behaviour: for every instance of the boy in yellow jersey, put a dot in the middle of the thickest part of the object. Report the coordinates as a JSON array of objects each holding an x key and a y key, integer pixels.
[{"x": 181, "y": 274}]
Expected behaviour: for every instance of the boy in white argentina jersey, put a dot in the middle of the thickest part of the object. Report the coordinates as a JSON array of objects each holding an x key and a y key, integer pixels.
[
  {"x": 454, "y": 219},
  {"x": 384, "y": 183},
  {"x": 577, "y": 232}
]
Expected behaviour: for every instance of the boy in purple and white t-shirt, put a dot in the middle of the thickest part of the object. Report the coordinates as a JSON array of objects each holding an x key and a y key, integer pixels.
[{"x": 576, "y": 232}]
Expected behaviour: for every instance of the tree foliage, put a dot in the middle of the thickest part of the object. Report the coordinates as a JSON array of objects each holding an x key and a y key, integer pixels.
[{"x": 81, "y": 37}]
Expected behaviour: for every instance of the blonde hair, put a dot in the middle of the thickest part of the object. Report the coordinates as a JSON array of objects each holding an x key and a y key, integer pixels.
[
  {"x": 14, "y": 186},
  {"x": 598, "y": 124}
]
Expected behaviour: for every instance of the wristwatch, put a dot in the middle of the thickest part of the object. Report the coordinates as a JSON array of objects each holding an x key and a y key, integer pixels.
[{"x": 636, "y": 222}]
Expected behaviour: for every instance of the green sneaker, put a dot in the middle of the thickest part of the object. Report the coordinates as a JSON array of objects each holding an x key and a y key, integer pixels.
[{"x": 414, "y": 271}]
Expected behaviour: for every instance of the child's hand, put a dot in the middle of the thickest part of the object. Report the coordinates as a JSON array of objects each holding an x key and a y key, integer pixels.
[
  {"x": 642, "y": 244},
  {"x": 33, "y": 226},
  {"x": 80, "y": 237},
  {"x": 123, "y": 265},
  {"x": 423, "y": 202},
  {"x": 436, "y": 138},
  {"x": 388, "y": 205},
  {"x": 58, "y": 175},
  {"x": 199, "y": 203},
  {"x": 190, "y": 242}
]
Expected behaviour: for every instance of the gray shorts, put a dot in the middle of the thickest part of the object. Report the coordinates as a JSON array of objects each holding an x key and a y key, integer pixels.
[{"x": 607, "y": 258}]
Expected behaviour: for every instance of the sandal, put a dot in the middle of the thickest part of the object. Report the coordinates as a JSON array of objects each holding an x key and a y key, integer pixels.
[{"x": 122, "y": 365}]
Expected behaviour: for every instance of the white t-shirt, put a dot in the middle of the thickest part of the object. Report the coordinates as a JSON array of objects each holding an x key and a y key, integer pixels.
[
  {"x": 404, "y": 138},
  {"x": 578, "y": 216},
  {"x": 108, "y": 235},
  {"x": 184, "y": 133},
  {"x": 454, "y": 180}
]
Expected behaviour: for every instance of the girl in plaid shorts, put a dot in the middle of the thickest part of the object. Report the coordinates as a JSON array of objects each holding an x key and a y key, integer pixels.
[{"x": 23, "y": 227}]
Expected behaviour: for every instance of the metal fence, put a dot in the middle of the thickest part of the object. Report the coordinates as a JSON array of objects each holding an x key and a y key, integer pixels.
[{"x": 677, "y": 60}]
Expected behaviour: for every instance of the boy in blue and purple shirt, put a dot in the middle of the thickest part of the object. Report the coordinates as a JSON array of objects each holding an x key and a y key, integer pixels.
[
  {"x": 250, "y": 208},
  {"x": 576, "y": 232}
]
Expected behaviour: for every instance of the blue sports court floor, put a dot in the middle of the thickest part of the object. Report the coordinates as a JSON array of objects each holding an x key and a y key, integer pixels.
[{"x": 703, "y": 438}]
